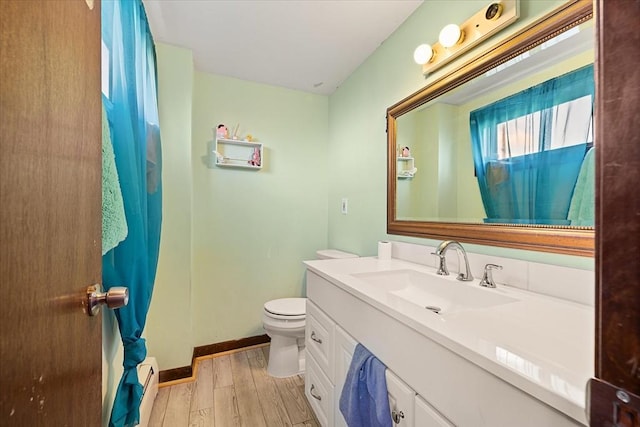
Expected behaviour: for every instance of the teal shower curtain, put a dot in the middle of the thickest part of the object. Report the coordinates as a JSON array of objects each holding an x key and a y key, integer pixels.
[
  {"x": 527, "y": 179},
  {"x": 132, "y": 112}
]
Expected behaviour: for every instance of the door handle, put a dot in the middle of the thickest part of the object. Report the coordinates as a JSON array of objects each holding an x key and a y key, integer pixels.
[{"x": 116, "y": 297}]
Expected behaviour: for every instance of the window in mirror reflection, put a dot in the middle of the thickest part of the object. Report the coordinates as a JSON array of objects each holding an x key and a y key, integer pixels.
[
  {"x": 568, "y": 122},
  {"x": 529, "y": 151}
]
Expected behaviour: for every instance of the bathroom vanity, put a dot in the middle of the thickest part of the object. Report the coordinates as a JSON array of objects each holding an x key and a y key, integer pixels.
[{"x": 489, "y": 357}]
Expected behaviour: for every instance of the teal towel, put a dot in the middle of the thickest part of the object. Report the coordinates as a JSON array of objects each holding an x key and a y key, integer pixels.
[
  {"x": 114, "y": 222},
  {"x": 582, "y": 209}
]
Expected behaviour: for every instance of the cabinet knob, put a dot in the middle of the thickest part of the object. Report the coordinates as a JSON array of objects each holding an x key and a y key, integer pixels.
[{"x": 397, "y": 416}]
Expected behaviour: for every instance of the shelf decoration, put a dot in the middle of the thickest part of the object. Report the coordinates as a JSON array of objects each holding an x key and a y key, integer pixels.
[{"x": 235, "y": 153}]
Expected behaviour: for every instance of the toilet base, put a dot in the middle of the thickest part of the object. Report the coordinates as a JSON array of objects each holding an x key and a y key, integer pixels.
[{"x": 286, "y": 358}]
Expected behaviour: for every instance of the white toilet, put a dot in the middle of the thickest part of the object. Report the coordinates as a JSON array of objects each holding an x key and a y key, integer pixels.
[{"x": 284, "y": 321}]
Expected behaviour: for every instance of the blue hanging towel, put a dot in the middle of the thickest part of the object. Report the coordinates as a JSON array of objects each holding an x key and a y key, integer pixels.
[{"x": 364, "y": 401}]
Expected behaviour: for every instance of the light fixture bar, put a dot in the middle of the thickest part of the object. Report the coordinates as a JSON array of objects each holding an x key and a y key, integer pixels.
[{"x": 485, "y": 23}]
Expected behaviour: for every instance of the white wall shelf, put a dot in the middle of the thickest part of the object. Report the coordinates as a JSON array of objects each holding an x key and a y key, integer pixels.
[
  {"x": 406, "y": 167},
  {"x": 233, "y": 153}
]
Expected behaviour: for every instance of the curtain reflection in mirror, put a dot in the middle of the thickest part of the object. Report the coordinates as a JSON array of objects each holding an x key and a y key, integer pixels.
[{"x": 529, "y": 149}]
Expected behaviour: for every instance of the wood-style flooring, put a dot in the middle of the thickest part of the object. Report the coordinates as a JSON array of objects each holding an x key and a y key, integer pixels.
[{"x": 234, "y": 390}]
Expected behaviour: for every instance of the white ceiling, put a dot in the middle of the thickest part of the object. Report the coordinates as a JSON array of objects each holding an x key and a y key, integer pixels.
[{"x": 308, "y": 45}]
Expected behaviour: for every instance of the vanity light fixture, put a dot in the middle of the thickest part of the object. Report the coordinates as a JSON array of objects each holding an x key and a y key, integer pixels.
[{"x": 457, "y": 39}]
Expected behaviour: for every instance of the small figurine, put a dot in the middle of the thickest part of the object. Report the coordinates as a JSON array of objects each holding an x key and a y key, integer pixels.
[
  {"x": 222, "y": 131},
  {"x": 406, "y": 152},
  {"x": 255, "y": 158}
]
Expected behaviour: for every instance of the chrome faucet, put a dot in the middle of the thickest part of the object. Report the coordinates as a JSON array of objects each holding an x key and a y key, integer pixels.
[{"x": 442, "y": 268}]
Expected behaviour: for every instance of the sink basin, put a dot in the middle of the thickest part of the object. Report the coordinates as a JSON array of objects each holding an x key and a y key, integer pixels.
[{"x": 440, "y": 294}]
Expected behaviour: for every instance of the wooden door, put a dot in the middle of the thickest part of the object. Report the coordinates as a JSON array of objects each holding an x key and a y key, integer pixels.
[
  {"x": 615, "y": 392},
  {"x": 50, "y": 212}
]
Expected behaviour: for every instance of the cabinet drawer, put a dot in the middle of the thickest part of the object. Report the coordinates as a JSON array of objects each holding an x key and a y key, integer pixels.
[
  {"x": 401, "y": 401},
  {"x": 319, "y": 337},
  {"x": 428, "y": 416},
  {"x": 319, "y": 392}
]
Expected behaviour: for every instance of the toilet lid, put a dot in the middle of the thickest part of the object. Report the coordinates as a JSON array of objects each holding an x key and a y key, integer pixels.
[{"x": 287, "y": 306}]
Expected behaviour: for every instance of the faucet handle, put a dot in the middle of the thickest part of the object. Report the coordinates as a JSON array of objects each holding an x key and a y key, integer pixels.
[
  {"x": 487, "y": 277},
  {"x": 442, "y": 265}
]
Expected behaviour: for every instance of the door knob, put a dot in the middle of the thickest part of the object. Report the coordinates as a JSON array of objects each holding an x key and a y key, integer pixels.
[{"x": 116, "y": 297}]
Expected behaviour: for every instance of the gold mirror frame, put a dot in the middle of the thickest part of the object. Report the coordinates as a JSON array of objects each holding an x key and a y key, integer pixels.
[{"x": 564, "y": 240}]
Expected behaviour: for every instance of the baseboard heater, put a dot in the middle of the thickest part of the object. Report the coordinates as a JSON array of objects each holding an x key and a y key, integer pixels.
[{"x": 148, "y": 377}]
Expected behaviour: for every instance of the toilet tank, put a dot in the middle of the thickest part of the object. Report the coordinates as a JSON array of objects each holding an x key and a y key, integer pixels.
[{"x": 334, "y": 254}]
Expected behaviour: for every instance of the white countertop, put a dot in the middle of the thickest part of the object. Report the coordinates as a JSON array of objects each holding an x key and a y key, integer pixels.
[{"x": 540, "y": 344}]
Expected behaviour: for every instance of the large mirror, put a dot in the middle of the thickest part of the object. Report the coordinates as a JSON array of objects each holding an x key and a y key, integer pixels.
[{"x": 500, "y": 150}]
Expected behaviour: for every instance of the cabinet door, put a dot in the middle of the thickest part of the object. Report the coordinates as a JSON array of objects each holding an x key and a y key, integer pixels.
[
  {"x": 345, "y": 345},
  {"x": 427, "y": 416},
  {"x": 401, "y": 401}
]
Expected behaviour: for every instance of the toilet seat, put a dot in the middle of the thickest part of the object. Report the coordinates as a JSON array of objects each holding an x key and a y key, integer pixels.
[{"x": 286, "y": 308}]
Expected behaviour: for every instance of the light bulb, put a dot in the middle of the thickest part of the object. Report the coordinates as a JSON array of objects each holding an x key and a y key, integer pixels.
[
  {"x": 450, "y": 35},
  {"x": 423, "y": 54}
]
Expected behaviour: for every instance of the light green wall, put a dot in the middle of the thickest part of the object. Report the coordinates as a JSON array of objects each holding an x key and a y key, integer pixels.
[
  {"x": 469, "y": 198},
  {"x": 414, "y": 200},
  {"x": 435, "y": 161},
  {"x": 253, "y": 229},
  {"x": 357, "y": 128},
  {"x": 232, "y": 239},
  {"x": 447, "y": 163},
  {"x": 169, "y": 329}
]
